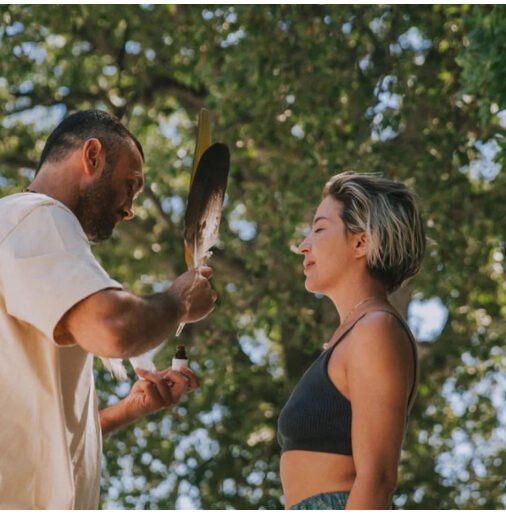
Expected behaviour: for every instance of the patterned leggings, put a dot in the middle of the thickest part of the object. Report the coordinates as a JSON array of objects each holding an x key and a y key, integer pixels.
[{"x": 335, "y": 500}]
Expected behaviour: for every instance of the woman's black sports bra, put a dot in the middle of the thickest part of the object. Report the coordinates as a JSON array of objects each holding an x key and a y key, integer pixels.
[{"x": 317, "y": 416}]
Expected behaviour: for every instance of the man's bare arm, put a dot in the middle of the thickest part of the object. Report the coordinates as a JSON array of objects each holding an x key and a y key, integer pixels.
[{"x": 117, "y": 323}]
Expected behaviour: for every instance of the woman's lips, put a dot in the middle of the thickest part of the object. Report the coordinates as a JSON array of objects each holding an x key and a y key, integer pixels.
[{"x": 308, "y": 265}]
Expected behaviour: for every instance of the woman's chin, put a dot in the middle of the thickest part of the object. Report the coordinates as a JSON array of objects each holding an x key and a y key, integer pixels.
[{"x": 311, "y": 287}]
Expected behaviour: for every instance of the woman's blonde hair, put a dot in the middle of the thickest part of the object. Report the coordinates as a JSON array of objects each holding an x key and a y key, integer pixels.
[{"x": 388, "y": 213}]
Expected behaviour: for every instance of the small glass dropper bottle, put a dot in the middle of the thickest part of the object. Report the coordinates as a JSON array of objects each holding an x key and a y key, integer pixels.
[{"x": 180, "y": 359}]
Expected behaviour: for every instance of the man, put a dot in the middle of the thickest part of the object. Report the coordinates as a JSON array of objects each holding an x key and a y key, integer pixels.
[{"x": 58, "y": 308}]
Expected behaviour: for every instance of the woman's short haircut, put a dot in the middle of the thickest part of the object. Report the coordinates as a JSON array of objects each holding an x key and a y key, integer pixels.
[
  {"x": 388, "y": 213},
  {"x": 74, "y": 130}
]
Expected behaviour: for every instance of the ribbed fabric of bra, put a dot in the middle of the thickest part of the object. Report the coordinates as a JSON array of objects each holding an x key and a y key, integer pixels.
[{"x": 317, "y": 416}]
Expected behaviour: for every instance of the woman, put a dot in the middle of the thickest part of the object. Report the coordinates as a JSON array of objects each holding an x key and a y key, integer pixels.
[{"x": 342, "y": 428}]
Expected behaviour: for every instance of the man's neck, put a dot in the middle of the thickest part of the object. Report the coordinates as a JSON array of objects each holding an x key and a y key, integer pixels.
[{"x": 57, "y": 184}]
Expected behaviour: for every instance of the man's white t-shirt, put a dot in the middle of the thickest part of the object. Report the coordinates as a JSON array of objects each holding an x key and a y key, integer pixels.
[{"x": 50, "y": 436}]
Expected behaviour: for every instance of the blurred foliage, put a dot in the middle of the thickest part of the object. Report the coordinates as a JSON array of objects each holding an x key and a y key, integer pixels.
[
  {"x": 484, "y": 68},
  {"x": 299, "y": 93}
]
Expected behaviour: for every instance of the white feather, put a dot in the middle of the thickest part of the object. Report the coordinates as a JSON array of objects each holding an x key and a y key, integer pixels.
[
  {"x": 115, "y": 366},
  {"x": 144, "y": 361}
]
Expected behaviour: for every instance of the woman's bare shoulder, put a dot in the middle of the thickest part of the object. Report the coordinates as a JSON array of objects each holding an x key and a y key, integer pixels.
[
  {"x": 380, "y": 359},
  {"x": 380, "y": 333}
]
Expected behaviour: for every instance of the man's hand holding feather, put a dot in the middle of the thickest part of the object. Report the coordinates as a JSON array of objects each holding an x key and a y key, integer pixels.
[{"x": 193, "y": 292}]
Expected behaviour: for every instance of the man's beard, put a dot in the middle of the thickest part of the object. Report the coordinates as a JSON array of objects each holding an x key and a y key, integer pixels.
[{"x": 95, "y": 208}]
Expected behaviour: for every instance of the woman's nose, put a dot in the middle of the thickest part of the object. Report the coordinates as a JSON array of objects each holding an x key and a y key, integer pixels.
[{"x": 304, "y": 246}]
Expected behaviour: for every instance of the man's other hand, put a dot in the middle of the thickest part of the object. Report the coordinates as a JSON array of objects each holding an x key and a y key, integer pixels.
[{"x": 158, "y": 390}]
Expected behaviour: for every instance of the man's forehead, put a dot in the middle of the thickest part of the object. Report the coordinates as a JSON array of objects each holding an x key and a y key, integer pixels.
[
  {"x": 135, "y": 159},
  {"x": 134, "y": 151}
]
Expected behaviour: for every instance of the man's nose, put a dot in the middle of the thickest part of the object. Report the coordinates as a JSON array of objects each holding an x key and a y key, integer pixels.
[{"x": 127, "y": 213}]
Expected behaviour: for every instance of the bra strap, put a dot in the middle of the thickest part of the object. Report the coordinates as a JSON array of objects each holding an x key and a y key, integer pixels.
[
  {"x": 406, "y": 329},
  {"x": 345, "y": 333}
]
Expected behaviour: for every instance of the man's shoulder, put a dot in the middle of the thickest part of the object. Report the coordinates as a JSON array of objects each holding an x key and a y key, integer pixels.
[{"x": 17, "y": 208}]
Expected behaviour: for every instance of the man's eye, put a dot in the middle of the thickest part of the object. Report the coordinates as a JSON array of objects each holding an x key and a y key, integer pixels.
[{"x": 318, "y": 230}]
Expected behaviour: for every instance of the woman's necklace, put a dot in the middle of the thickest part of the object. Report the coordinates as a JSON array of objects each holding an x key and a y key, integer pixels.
[{"x": 366, "y": 300}]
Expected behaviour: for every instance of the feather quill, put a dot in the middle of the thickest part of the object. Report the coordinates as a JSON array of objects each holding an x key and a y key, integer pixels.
[{"x": 202, "y": 143}]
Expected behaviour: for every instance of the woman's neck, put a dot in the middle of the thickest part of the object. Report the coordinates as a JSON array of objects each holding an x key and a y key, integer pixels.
[{"x": 349, "y": 298}]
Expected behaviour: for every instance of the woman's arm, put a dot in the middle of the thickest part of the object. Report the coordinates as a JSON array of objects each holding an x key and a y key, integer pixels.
[{"x": 379, "y": 373}]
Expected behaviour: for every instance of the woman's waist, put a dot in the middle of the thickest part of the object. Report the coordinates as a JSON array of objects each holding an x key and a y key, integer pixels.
[{"x": 307, "y": 473}]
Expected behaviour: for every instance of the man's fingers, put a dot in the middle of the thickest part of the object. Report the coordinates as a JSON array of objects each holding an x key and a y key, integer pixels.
[
  {"x": 162, "y": 386},
  {"x": 193, "y": 382},
  {"x": 177, "y": 379},
  {"x": 151, "y": 399},
  {"x": 140, "y": 372},
  {"x": 205, "y": 271},
  {"x": 184, "y": 381}
]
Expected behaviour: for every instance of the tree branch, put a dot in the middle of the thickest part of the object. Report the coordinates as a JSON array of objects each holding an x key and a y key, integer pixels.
[{"x": 190, "y": 98}]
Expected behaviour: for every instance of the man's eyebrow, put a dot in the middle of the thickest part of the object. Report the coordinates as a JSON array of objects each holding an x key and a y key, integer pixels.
[{"x": 139, "y": 180}]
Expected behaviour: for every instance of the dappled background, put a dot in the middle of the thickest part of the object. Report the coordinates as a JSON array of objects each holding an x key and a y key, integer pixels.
[{"x": 298, "y": 93}]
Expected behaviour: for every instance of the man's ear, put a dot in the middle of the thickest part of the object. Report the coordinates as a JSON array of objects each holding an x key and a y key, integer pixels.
[
  {"x": 93, "y": 158},
  {"x": 360, "y": 244}
]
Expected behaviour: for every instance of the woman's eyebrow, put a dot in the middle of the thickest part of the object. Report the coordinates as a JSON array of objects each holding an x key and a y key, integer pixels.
[{"x": 319, "y": 218}]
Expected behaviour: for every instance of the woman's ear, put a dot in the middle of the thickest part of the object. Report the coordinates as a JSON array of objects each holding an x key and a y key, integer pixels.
[{"x": 361, "y": 245}]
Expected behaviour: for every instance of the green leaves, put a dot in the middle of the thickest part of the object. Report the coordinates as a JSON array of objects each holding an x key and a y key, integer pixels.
[{"x": 298, "y": 93}]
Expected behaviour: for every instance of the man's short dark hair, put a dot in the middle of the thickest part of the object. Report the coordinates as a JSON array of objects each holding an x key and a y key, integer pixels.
[{"x": 74, "y": 130}]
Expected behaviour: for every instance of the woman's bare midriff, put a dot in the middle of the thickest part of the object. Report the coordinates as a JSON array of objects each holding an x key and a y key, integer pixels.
[{"x": 308, "y": 473}]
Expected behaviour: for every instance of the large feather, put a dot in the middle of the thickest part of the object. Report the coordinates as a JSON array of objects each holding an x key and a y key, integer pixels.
[
  {"x": 202, "y": 219},
  {"x": 145, "y": 361},
  {"x": 205, "y": 202}
]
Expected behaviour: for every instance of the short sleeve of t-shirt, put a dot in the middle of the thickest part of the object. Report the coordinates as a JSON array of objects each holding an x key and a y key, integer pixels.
[{"x": 46, "y": 267}]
